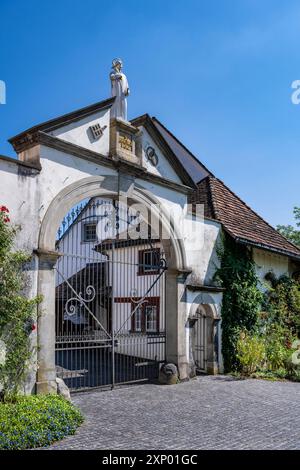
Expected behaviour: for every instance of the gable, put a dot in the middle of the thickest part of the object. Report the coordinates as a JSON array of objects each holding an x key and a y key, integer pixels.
[
  {"x": 161, "y": 166},
  {"x": 80, "y": 133},
  {"x": 71, "y": 127},
  {"x": 173, "y": 169},
  {"x": 73, "y": 133},
  {"x": 193, "y": 166}
]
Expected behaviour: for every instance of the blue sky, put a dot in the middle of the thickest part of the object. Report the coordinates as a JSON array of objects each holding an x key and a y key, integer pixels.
[{"x": 217, "y": 73}]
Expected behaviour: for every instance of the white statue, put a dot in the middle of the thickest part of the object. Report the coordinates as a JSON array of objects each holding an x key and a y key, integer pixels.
[{"x": 119, "y": 89}]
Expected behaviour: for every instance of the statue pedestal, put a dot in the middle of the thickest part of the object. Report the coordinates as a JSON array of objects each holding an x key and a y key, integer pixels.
[{"x": 125, "y": 141}]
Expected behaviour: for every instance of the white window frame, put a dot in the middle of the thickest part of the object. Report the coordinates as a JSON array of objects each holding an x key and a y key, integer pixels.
[
  {"x": 154, "y": 322},
  {"x": 138, "y": 311}
]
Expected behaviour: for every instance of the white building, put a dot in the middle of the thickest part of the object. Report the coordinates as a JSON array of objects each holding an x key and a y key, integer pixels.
[{"x": 121, "y": 323}]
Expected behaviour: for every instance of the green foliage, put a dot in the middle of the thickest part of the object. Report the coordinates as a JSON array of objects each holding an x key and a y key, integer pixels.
[
  {"x": 36, "y": 421},
  {"x": 257, "y": 329},
  {"x": 280, "y": 323},
  {"x": 241, "y": 299},
  {"x": 288, "y": 231},
  {"x": 282, "y": 306},
  {"x": 277, "y": 329},
  {"x": 251, "y": 352},
  {"x": 16, "y": 312},
  {"x": 277, "y": 353}
]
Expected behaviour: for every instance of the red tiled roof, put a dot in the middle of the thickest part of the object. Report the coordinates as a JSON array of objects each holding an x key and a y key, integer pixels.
[{"x": 238, "y": 219}]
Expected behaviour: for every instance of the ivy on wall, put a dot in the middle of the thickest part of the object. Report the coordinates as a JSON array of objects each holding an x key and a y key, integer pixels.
[
  {"x": 282, "y": 305},
  {"x": 16, "y": 313},
  {"x": 241, "y": 299}
]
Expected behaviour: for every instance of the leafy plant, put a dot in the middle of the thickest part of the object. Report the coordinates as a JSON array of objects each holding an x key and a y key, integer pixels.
[
  {"x": 282, "y": 302},
  {"x": 36, "y": 421},
  {"x": 16, "y": 312},
  {"x": 241, "y": 299},
  {"x": 279, "y": 323},
  {"x": 276, "y": 351},
  {"x": 250, "y": 352},
  {"x": 290, "y": 232}
]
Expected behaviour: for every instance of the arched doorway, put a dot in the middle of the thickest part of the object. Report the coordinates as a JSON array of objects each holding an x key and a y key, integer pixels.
[
  {"x": 140, "y": 318},
  {"x": 199, "y": 341},
  {"x": 204, "y": 340}
]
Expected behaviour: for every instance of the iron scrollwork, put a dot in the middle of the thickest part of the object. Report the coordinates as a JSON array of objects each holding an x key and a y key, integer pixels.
[{"x": 70, "y": 307}]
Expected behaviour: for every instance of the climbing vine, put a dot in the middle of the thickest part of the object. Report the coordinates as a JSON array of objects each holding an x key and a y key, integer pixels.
[
  {"x": 16, "y": 313},
  {"x": 241, "y": 299}
]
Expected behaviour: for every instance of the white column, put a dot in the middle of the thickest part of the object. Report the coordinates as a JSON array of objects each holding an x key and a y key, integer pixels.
[
  {"x": 46, "y": 376},
  {"x": 176, "y": 347}
]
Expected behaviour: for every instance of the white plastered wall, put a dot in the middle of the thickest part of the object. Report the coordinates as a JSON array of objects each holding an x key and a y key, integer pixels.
[
  {"x": 269, "y": 262},
  {"x": 79, "y": 132}
]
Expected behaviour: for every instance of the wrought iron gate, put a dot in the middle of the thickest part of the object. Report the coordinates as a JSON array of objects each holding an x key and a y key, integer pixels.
[
  {"x": 110, "y": 298},
  {"x": 200, "y": 342}
]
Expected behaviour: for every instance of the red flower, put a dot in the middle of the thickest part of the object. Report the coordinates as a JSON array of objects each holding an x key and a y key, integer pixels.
[
  {"x": 4, "y": 209},
  {"x": 33, "y": 327},
  {"x": 6, "y": 219}
]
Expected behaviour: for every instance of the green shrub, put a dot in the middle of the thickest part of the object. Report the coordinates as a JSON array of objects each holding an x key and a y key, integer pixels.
[
  {"x": 282, "y": 304},
  {"x": 277, "y": 352},
  {"x": 250, "y": 353},
  {"x": 241, "y": 299},
  {"x": 36, "y": 421},
  {"x": 17, "y": 313}
]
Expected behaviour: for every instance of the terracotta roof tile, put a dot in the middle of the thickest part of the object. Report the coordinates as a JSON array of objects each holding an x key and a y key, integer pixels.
[{"x": 238, "y": 219}]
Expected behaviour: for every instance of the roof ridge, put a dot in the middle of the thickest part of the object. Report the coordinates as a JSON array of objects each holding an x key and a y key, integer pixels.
[
  {"x": 213, "y": 202},
  {"x": 146, "y": 118},
  {"x": 182, "y": 145},
  {"x": 65, "y": 118}
]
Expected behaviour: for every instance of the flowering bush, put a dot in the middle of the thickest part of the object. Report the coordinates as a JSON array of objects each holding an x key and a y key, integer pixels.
[
  {"x": 36, "y": 421},
  {"x": 5, "y": 211},
  {"x": 16, "y": 312}
]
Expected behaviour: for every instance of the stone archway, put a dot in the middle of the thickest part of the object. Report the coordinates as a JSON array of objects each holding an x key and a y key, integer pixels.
[{"x": 110, "y": 187}]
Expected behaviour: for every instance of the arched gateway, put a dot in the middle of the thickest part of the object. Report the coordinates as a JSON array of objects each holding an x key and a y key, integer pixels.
[
  {"x": 114, "y": 307},
  {"x": 103, "y": 275},
  {"x": 120, "y": 259}
]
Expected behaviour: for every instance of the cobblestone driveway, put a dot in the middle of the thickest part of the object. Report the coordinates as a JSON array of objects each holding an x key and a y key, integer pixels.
[{"x": 207, "y": 413}]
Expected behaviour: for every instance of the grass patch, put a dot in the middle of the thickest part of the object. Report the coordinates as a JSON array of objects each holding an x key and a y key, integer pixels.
[{"x": 36, "y": 421}]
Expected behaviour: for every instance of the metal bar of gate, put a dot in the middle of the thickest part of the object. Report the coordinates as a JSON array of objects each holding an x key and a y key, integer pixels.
[
  {"x": 141, "y": 301},
  {"x": 113, "y": 371},
  {"x": 83, "y": 302},
  {"x": 116, "y": 335}
]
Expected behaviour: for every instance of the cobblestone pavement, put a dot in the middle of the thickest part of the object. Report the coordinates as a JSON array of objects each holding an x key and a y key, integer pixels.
[{"x": 207, "y": 413}]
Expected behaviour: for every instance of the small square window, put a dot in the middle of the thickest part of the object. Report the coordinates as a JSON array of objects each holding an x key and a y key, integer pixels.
[
  {"x": 90, "y": 232},
  {"x": 149, "y": 261},
  {"x": 97, "y": 130}
]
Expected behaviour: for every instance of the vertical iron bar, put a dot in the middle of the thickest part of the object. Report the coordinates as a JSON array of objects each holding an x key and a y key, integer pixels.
[{"x": 112, "y": 315}]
